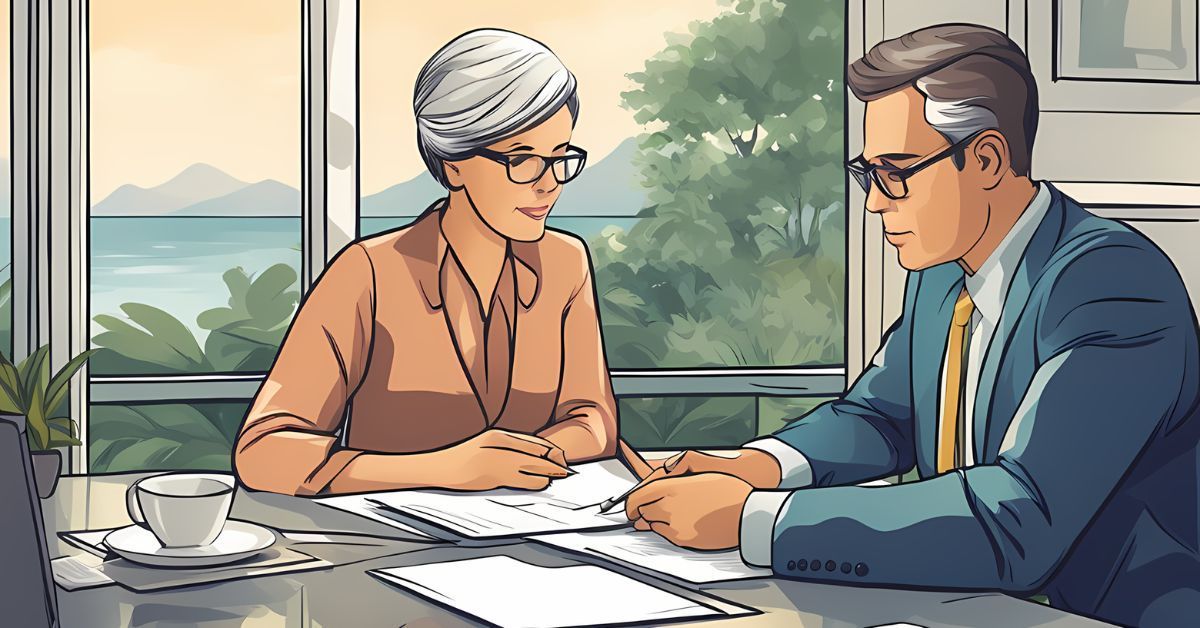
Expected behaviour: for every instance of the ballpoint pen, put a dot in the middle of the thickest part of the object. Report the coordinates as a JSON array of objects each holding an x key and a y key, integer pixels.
[{"x": 639, "y": 466}]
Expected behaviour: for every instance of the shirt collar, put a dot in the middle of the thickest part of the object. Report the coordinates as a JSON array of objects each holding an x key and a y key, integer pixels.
[
  {"x": 989, "y": 285},
  {"x": 432, "y": 253}
]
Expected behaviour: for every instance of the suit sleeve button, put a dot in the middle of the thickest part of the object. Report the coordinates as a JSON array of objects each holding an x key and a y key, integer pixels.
[
  {"x": 791, "y": 565},
  {"x": 802, "y": 565},
  {"x": 845, "y": 567},
  {"x": 830, "y": 565},
  {"x": 861, "y": 570}
]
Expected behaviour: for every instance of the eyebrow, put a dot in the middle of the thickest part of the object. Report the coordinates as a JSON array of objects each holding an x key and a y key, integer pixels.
[{"x": 517, "y": 146}]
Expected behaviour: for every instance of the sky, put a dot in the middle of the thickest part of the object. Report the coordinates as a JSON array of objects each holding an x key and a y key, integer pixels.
[{"x": 218, "y": 81}]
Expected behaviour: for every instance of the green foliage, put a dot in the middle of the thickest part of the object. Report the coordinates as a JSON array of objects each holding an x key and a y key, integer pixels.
[
  {"x": 245, "y": 335},
  {"x": 163, "y": 436},
  {"x": 29, "y": 390},
  {"x": 680, "y": 422},
  {"x": 242, "y": 337},
  {"x": 739, "y": 258}
]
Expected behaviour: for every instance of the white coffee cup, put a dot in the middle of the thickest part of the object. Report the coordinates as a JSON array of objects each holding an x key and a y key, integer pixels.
[{"x": 181, "y": 509}]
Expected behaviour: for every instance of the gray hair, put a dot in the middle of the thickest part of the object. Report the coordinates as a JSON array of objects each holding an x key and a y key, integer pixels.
[{"x": 482, "y": 87}]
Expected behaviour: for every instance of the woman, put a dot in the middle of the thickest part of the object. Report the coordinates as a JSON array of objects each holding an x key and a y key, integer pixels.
[{"x": 465, "y": 347}]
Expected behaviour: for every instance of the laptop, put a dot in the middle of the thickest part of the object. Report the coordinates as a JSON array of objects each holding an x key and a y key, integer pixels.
[{"x": 27, "y": 595}]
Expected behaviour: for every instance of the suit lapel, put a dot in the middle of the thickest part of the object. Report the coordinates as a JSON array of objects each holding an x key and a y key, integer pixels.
[
  {"x": 991, "y": 414},
  {"x": 939, "y": 290}
]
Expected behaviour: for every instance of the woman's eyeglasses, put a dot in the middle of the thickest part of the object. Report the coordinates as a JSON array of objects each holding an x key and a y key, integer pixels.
[
  {"x": 893, "y": 181},
  {"x": 524, "y": 168}
]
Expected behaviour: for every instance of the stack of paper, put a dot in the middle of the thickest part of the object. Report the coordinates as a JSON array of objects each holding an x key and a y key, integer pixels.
[
  {"x": 504, "y": 591},
  {"x": 569, "y": 504}
]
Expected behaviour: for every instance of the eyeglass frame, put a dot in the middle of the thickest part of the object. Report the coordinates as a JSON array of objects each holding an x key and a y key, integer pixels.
[
  {"x": 866, "y": 172},
  {"x": 547, "y": 162}
]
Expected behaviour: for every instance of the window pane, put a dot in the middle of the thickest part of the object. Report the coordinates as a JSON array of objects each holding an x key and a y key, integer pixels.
[
  {"x": 775, "y": 413},
  {"x": 163, "y": 436},
  {"x": 6, "y": 339},
  {"x": 714, "y": 198},
  {"x": 687, "y": 422},
  {"x": 194, "y": 170}
]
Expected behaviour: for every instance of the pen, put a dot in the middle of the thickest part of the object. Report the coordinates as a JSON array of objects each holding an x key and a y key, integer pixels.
[{"x": 639, "y": 466}]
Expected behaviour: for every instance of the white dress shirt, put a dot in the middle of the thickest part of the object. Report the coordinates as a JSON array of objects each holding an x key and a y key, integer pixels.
[{"x": 988, "y": 288}]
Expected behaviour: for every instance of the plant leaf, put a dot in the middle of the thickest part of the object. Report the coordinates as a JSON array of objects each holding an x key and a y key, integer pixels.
[
  {"x": 56, "y": 392},
  {"x": 28, "y": 369},
  {"x": 167, "y": 328},
  {"x": 63, "y": 432},
  {"x": 35, "y": 421}
]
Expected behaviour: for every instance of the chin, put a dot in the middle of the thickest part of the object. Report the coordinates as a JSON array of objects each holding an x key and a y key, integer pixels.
[{"x": 527, "y": 233}]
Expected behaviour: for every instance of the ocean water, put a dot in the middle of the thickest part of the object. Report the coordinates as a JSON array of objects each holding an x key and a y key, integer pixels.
[{"x": 176, "y": 263}]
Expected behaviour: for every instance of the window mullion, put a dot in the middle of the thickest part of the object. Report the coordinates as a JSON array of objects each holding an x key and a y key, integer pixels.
[{"x": 329, "y": 119}]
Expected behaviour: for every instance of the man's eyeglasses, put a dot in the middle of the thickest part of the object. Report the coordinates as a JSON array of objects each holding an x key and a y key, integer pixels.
[
  {"x": 893, "y": 181},
  {"x": 525, "y": 168}
]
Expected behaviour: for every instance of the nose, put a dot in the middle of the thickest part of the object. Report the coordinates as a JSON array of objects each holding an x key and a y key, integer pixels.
[
  {"x": 546, "y": 183},
  {"x": 877, "y": 202}
]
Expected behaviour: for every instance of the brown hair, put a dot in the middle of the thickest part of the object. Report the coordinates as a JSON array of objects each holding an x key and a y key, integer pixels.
[{"x": 974, "y": 70}]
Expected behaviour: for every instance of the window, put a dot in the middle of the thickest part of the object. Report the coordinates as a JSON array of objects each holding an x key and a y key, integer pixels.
[
  {"x": 713, "y": 202},
  {"x": 194, "y": 170}
]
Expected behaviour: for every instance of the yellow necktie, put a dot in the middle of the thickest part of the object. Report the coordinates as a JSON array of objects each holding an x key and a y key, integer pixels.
[{"x": 948, "y": 435}]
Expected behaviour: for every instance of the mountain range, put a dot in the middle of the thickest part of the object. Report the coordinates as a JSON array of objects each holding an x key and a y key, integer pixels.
[{"x": 608, "y": 187}]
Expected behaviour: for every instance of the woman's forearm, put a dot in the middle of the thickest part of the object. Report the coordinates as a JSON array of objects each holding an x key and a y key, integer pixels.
[
  {"x": 387, "y": 472},
  {"x": 584, "y": 437}
]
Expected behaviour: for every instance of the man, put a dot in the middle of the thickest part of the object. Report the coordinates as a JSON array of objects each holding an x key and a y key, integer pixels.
[{"x": 1042, "y": 378}]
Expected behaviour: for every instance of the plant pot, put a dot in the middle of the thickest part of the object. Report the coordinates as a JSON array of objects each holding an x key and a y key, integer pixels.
[{"x": 46, "y": 465}]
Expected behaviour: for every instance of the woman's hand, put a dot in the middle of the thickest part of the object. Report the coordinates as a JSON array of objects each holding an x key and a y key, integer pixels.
[{"x": 499, "y": 459}]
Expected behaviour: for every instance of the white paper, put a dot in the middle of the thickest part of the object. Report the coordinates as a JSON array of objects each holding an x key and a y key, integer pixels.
[
  {"x": 79, "y": 572},
  {"x": 507, "y": 592},
  {"x": 568, "y": 504},
  {"x": 650, "y": 552}
]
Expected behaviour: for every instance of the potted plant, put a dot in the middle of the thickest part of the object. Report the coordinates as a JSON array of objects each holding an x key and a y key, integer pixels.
[{"x": 29, "y": 390}]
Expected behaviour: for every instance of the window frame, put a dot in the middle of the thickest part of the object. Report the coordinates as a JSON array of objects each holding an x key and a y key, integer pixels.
[{"x": 51, "y": 212}]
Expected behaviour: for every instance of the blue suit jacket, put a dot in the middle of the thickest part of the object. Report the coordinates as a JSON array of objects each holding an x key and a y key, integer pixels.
[{"x": 1086, "y": 428}]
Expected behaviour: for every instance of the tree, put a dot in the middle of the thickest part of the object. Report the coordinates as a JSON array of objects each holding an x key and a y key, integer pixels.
[{"x": 738, "y": 259}]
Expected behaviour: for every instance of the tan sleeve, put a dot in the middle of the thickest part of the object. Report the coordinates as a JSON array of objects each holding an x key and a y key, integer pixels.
[
  {"x": 287, "y": 443},
  {"x": 585, "y": 419}
]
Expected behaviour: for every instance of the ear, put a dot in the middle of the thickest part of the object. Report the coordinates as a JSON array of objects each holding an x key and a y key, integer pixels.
[
  {"x": 453, "y": 175},
  {"x": 991, "y": 158}
]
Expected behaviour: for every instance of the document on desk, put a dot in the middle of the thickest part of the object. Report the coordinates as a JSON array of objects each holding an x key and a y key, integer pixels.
[
  {"x": 647, "y": 551},
  {"x": 568, "y": 504},
  {"x": 504, "y": 591}
]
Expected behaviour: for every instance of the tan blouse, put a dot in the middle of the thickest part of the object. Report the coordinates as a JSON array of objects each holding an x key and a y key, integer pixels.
[{"x": 393, "y": 335}]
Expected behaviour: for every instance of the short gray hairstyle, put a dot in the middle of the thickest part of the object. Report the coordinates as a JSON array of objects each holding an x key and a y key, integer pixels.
[
  {"x": 482, "y": 87},
  {"x": 972, "y": 77}
]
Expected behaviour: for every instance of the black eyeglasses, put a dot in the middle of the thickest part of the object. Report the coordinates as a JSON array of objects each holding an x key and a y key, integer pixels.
[
  {"x": 893, "y": 181},
  {"x": 526, "y": 168}
]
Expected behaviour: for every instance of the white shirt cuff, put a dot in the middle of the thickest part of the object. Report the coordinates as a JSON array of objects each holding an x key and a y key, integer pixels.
[
  {"x": 758, "y": 526},
  {"x": 795, "y": 471}
]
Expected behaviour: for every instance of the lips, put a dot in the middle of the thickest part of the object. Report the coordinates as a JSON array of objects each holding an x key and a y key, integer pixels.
[
  {"x": 536, "y": 213},
  {"x": 896, "y": 237}
]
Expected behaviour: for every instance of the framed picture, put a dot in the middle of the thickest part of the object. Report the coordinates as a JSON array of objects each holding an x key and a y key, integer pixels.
[{"x": 1126, "y": 40}]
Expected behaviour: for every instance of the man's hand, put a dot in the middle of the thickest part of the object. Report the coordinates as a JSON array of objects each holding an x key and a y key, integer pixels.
[
  {"x": 695, "y": 511},
  {"x": 498, "y": 459},
  {"x": 755, "y": 467}
]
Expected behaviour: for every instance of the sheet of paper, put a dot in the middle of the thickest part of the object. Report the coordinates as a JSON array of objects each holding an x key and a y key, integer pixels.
[
  {"x": 569, "y": 504},
  {"x": 504, "y": 591},
  {"x": 648, "y": 551}
]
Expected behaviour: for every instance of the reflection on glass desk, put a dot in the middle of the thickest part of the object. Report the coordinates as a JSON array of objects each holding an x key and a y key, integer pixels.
[{"x": 345, "y": 595}]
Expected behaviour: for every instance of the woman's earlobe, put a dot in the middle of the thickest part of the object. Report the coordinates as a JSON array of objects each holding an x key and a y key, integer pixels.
[{"x": 453, "y": 176}]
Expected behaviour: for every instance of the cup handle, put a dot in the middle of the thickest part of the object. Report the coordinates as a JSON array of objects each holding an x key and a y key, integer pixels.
[{"x": 132, "y": 506}]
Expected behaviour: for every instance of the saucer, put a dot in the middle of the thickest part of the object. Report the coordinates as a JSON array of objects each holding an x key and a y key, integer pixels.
[{"x": 238, "y": 540}]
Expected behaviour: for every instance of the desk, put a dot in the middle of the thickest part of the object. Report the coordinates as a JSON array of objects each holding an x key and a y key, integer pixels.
[{"x": 346, "y": 596}]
